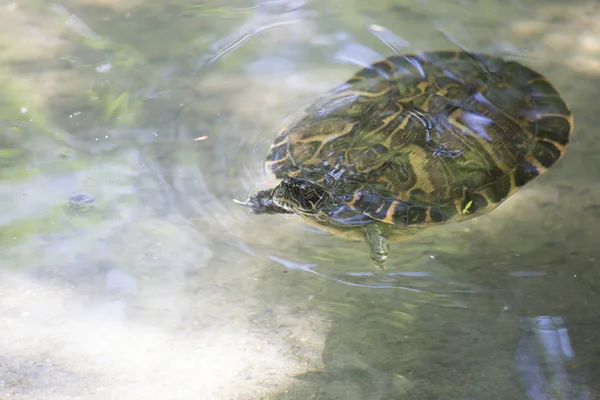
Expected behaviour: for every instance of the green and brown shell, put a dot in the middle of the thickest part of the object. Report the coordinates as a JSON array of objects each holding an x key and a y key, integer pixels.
[{"x": 424, "y": 139}]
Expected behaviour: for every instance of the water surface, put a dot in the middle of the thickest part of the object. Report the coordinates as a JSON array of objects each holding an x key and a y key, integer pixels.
[{"x": 128, "y": 272}]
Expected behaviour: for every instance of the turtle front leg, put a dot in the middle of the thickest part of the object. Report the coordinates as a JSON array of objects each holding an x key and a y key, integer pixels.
[{"x": 375, "y": 236}]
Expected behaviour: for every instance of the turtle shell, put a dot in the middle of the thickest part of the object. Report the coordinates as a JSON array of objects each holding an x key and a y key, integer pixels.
[{"x": 425, "y": 139}]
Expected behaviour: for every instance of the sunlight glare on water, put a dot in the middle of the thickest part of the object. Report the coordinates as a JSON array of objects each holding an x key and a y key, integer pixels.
[{"x": 128, "y": 129}]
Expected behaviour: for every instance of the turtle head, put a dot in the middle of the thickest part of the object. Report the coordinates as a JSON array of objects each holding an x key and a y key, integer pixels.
[
  {"x": 300, "y": 196},
  {"x": 291, "y": 196}
]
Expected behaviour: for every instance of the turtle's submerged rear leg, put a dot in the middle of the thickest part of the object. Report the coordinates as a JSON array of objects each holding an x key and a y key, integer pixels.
[{"x": 376, "y": 237}]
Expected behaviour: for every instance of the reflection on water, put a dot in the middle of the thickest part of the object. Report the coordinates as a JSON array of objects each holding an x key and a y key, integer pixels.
[
  {"x": 128, "y": 128},
  {"x": 550, "y": 337}
]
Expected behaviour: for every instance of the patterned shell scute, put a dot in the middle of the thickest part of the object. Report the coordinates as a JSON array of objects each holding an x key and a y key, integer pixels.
[{"x": 426, "y": 138}]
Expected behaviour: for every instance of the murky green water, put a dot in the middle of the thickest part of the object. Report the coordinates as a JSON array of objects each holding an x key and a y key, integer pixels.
[{"x": 128, "y": 272}]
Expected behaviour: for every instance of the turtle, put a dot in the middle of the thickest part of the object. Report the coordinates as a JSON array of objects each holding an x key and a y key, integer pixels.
[{"x": 414, "y": 141}]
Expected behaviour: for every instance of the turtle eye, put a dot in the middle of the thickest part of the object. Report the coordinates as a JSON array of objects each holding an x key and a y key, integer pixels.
[{"x": 303, "y": 190}]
